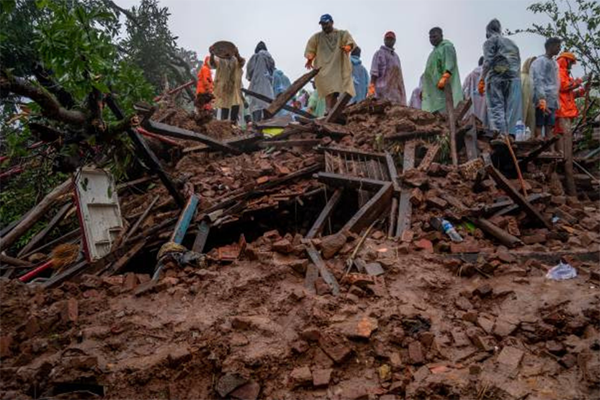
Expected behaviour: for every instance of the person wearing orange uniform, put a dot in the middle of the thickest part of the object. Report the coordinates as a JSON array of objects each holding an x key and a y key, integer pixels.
[
  {"x": 569, "y": 89},
  {"x": 205, "y": 87}
]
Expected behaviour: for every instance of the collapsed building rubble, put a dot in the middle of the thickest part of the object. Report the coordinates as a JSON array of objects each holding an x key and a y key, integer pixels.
[{"x": 312, "y": 264}]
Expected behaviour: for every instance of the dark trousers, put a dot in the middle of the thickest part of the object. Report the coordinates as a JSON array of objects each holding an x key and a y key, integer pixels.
[
  {"x": 235, "y": 110},
  {"x": 257, "y": 115}
]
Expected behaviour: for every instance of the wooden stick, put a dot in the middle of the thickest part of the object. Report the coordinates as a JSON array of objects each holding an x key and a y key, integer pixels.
[
  {"x": 141, "y": 219},
  {"x": 451, "y": 122},
  {"x": 514, "y": 157},
  {"x": 35, "y": 215}
]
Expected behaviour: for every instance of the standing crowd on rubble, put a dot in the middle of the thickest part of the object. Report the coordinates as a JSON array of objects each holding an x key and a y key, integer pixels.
[{"x": 536, "y": 97}]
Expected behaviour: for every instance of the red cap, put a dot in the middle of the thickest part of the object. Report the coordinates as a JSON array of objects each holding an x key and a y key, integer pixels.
[{"x": 390, "y": 34}]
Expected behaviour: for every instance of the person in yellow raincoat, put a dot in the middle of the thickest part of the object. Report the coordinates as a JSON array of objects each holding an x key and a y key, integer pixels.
[
  {"x": 330, "y": 50},
  {"x": 228, "y": 84}
]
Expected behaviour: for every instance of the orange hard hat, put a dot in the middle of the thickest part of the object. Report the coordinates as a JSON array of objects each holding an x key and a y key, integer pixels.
[{"x": 569, "y": 56}]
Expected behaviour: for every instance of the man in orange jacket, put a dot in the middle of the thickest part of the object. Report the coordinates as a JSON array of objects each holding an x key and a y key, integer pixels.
[
  {"x": 205, "y": 87},
  {"x": 569, "y": 89}
]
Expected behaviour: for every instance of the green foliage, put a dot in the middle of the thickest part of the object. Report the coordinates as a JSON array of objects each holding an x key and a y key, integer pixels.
[{"x": 577, "y": 23}]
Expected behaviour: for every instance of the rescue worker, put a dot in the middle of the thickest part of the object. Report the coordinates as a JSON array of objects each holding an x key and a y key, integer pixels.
[
  {"x": 330, "y": 50},
  {"x": 501, "y": 80},
  {"x": 259, "y": 72},
  {"x": 416, "y": 97},
  {"x": 386, "y": 72},
  {"x": 360, "y": 76},
  {"x": 205, "y": 86},
  {"x": 544, "y": 72},
  {"x": 228, "y": 84},
  {"x": 442, "y": 68},
  {"x": 470, "y": 90}
]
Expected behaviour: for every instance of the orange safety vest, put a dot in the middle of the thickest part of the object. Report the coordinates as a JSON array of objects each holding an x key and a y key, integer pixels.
[{"x": 568, "y": 108}]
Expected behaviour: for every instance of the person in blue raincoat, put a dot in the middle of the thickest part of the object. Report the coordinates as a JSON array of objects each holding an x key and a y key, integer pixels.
[
  {"x": 501, "y": 80},
  {"x": 280, "y": 82},
  {"x": 360, "y": 76}
]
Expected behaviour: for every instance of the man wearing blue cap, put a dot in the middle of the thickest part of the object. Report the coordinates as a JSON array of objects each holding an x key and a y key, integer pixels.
[{"x": 330, "y": 50}]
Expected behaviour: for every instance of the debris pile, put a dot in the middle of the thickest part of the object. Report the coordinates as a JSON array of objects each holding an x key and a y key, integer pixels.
[{"x": 343, "y": 258}]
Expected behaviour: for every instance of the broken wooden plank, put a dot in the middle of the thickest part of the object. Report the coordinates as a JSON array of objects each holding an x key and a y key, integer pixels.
[
  {"x": 75, "y": 234},
  {"x": 179, "y": 133},
  {"x": 405, "y": 206},
  {"x": 141, "y": 219},
  {"x": 69, "y": 273},
  {"x": 16, "y": 222},
  {"x": 508, "y": 206},
  {"x": 371, "y": 210},
  {"x": 432, "y": 151},
  {"x": 201, "y": 237},
  {"x": 505, "y": 185},
  {"x": 470, "y": 140},
  {"x": 533, "y": 154},
  {"x": 503, "y": 237},
  {"x": 122, "y": 262},
  {"x": 350, "y": 182},
  {"x": 4, "y": 259},
  {"x": 335, "y": 113},
  {"x": 462, "y": 108},
  {"x": 289, "y": 143},
  {"x": 393, "y": 212},
  {"x": 285, "y": 107},
  {"x": 185, "y": 219},
  {"x": 392, "y": 170},
  {"x": 135, "y": 182},
  {"x": 147, "y": 155},
  {"x": 35, "y": 214},
  {"x": 281, "y": 100},
  {"x": 451, "y": 122},
  {"x": 327, "y": 276},
  {"x": 44, "y": 232},
  {"x": 317, "y": 227}
]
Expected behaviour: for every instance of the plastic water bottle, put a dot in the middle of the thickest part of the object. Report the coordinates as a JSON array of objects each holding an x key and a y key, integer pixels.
[
  {"x": 449, "y": 230},
  {"x": 520, "y": 131}
]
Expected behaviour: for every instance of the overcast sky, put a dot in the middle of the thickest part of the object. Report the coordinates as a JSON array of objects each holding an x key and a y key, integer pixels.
[{"x": 286, "y": 25}]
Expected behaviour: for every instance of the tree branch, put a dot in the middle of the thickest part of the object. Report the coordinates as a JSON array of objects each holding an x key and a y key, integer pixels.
[{"x": 51, "y": 108}]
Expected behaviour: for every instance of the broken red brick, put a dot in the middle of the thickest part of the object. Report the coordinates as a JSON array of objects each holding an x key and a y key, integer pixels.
[
  {"x": 321, "y": 377},
  {"x": 335, "y": 348},
  {"x": 283, "y": 246},
  {"x": 249, "y": 391},
  {"x": 425, "y": 245},
  {"x": 300, "y": 377},
  {"x": 415, "y": 353}
]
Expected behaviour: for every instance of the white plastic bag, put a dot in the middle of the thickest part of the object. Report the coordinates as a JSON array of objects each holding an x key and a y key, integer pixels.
[{"x": 561, "y": 272}]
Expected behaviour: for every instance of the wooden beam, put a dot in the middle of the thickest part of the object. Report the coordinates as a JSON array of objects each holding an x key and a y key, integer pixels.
[
  {"x": 185, "y": 219},
  {"x": 317, "y": 227},
  {"x": 124, "y": 260},
  {"x": 505, "y": 185},
  {"x": 350, "y": 182},
  {"x": 336, "y": 111},
  {"x": 405, "y": 206},
  {"x": 285, "y": 96},
  {"x": 4, "y": 259},
  {"x": 371, "y": 210},
  {"x": 69, "y": 236},
  {"x": 43, "y": 233},
  {"x": 462, "y": 108},
  {"x": 66, "y": 275},
  {"x": 201, "y": 237},
  {"x": 147, "y": 154},
  {"x": 532, "y": 155},
  {"x": 451, "y": 122},
  {"x": 470, "y": 140},
  {"x": 327, "y": 276},
  {"x": 141, "y": 219},
  {"x": 508, "y": 206},
  {"x": 270, "y": 100},
  {"x": 179, "y": 133},
  {"x": 503, "y": 237}
]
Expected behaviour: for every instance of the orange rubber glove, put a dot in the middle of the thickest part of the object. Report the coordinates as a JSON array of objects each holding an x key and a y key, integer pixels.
[
  {"x": 542, "y": 105},
  {"x": 347, "y": 49},
  {"x": 371, "y": 91},
  {"x": 481, "y": 87},
  {"x": 309, "y": 61},
  {"x": 442, "y": 82}
]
